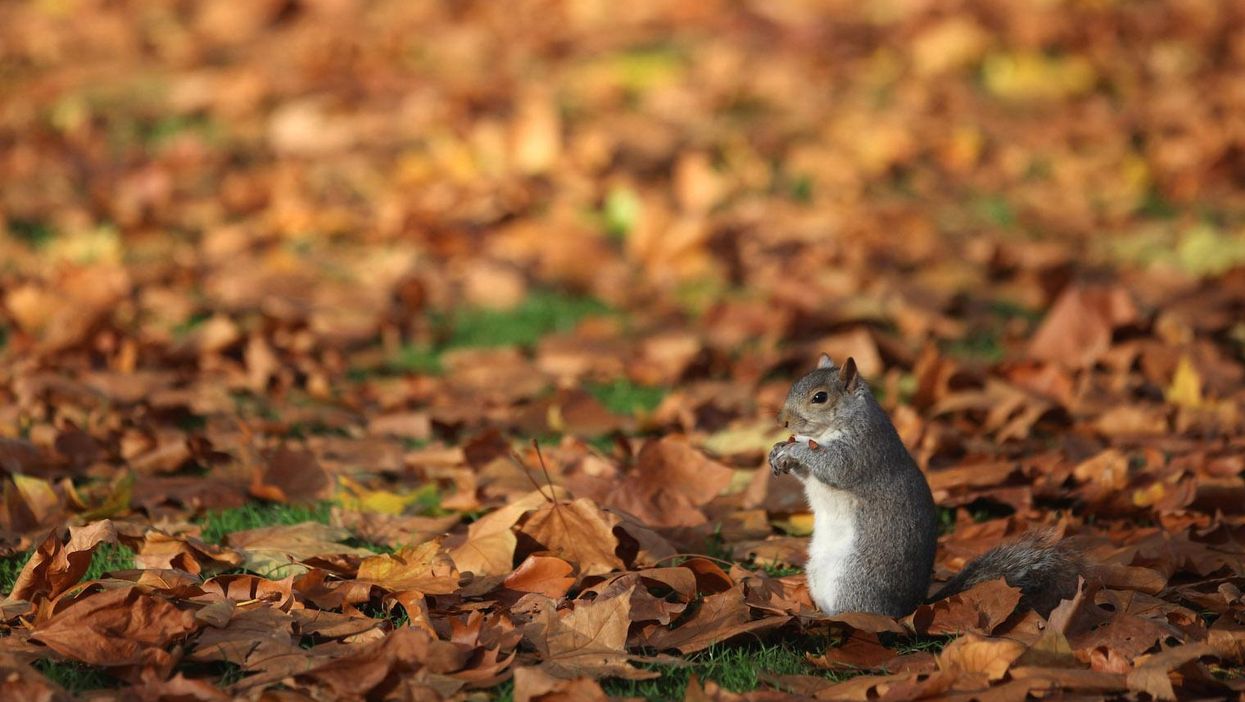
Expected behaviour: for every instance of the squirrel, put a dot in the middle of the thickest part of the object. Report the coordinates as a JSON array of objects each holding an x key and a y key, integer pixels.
[{"x": 875, "y": 526}]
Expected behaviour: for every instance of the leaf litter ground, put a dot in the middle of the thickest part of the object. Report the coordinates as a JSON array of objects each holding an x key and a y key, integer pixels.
[{"x": 289, "y": 289}]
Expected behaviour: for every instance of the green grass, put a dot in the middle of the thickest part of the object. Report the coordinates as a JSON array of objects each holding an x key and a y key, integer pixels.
[
  {"x": 109, "y": 558},
  {"x": 216, "y": 525},
  {"x": 417, "y": 359},
  {"x": 76, "y": 677},
  {"x": 996, "y": 210},
  {"x": 980, "y": 510},
  {"x": 33, "y": 232},
  {"x": 984, "y": 340},
  {"x": 778, "y": 571},
  {"x": 734, "y": 666},
  {"x": 10, "y": 567},
  {"x": 542, "y": 312},
  {"x": 625, "y": 397},
  {"x": 981, "y": 345},
  {"x": 914, "y": 644}
]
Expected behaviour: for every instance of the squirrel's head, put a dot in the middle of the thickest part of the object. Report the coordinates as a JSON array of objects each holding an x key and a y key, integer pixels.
[{"x": 823, "y": 398}]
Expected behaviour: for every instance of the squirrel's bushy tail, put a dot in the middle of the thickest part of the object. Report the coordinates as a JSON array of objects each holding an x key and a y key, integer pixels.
[{"x": 1043, "y": 567}]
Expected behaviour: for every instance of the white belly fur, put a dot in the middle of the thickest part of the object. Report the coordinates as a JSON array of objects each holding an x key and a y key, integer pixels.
[{"x": 834, "y": 535}]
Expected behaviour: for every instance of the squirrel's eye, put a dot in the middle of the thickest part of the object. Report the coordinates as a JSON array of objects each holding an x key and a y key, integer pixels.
[{"x": 820, "y": 398}]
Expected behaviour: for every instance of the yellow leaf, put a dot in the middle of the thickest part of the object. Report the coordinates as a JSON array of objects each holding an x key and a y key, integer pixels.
[
  {"x": 1026, "y": 76},
  {"x": 425, "y": 568},
  {"x": 759, "y": 436},
  {"x": 38, "y": 496},
  {"x": 1205, "y": 250},
  {"x": 118, "y": 499},
  {"x": 797, "y": 525},
  {"x": 1150, "y": 495},
  {"x": 1186, "y": 387},
  {"x": 357, "y": 498}
]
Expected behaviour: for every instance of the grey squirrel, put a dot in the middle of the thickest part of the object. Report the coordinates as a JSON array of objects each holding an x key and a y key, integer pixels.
[{"x": 874, "y": 523}]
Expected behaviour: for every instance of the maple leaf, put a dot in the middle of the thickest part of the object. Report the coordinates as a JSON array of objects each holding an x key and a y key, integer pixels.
[
  {"x": 490, "y": 543},
  {"x": 973, "y": 653},
  {"x": 407, "y": 662},
  {"x": 546, "y": 575},
  {"x": 719, "y": 617},
  {"x": 279, "y": 551},
  {"x": 979, "y": 609},
  {"x": 117, "y": 627},
  {"x": 579, "y": 531},
  {"x": 671, "y": 482},
  {"x": 535, "y": 685},
  {"x": 55, "y": 567},
  {"x": 425, "y": 568},
  {"x": 24, "y": 682},
  {"x": 590, "y": 639}
]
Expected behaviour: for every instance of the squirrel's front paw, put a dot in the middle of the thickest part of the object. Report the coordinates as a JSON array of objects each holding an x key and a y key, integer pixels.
[
  {"x": 774, "y": 455},
  {"x": 781, "y": 461}
]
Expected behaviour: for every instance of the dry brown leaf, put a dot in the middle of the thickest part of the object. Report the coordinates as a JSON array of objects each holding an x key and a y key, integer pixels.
[
  {"x": 393, "y": 530},
  {"x": 161, "y": 550},
  {"x": 670, "y": 483},
  {"x": 862, "y": 650},
  {"x": 719, "y": 617},
  {"x": 117, "y": 627},
  {"x": 23, "y": 682},
  {"x": 979, "y": 609},
  {"x": 490, "y": 543},
  {"x": 55, "y": 567},
  {"x": 425, "y": 568},
  {"x": 545, "y": 575},
  {"x": 535, "y": 685},
  {"x": 287, "y": 475},
  {"x": 406, "y": 660},
  {"x": 590, "y": 639},
  {"x": 579, "y": 531},
  {"x": 280, "y": 551},
  {"x": 972, "y": 653},
  {"x": 1078, "y": 328}
]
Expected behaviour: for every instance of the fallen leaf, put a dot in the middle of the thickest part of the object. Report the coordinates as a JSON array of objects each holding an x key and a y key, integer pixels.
[
  {"x": 590, "y": 639},
  {"x": 280, "y": 551},
  {"x": 862, "y": 650},
  {"x": 23, "y": 682},
  {"x": 719, "y": 617},
  {"x": 546, "y": 575},
  {"x": 55, "y": 567},
  {"x": 1078, "y": 328},
  {"x": 535, "y": 685},
  {"x": 425, "y": 568},
  {"x": 578, "y": 531},
  {"x": 287, "y": 475},
  {"x": 973, "y": 653},
  {"x": 979, "y": 610},
  {"x": 1186, "y": 385},
  {"x": 670, "y": 483},
  {"x": 490, "y": 543},
  {"x": 117, "y": 627}
]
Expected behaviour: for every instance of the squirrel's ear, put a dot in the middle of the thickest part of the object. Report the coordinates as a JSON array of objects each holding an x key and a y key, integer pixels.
[
  {"x": 848, "y": 374},
  {"x": 824, "y": 361}
]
